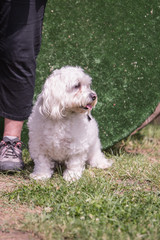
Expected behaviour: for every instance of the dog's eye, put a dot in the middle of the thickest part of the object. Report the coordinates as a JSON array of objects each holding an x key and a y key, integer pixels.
[{"x": 77, "y": 86}]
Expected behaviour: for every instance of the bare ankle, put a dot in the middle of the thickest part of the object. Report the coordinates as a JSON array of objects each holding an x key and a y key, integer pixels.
[{"x": 12, "y": 128}]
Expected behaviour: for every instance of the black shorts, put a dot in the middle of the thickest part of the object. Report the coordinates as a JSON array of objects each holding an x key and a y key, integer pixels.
[{"x": 20, "y": 39}]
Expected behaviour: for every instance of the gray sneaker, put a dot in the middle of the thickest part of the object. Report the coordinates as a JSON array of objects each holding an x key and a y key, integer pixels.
[{"x": 11, "y": 155}]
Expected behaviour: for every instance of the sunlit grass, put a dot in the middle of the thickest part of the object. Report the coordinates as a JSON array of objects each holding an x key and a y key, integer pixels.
[{"x": 121, "y": 202}]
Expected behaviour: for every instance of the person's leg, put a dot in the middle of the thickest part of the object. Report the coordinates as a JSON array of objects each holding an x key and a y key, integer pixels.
[
  {"x": 12, "y": 128},
  {"x": 20, "y": 39}
]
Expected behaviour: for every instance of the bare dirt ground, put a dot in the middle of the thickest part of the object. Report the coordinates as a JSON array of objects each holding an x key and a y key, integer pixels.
[
  {"x": 17, "y": 235},
  {"x": 12, "y": 215}
]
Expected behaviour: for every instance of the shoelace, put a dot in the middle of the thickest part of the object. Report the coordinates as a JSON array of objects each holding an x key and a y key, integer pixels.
[{"x": 11, "y": 148}]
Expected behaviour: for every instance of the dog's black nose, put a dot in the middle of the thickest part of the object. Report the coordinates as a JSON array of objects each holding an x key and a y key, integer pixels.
[{"x": 93, "y": 96}]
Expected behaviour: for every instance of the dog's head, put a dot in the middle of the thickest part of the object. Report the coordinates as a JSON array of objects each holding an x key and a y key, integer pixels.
[{"x": 67, "y": 90}]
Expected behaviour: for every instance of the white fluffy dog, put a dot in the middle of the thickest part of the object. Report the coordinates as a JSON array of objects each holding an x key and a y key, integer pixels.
[{"x": 61, "y": 128}]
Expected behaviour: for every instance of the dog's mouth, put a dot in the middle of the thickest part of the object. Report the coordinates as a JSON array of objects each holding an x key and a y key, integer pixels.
[{"x": 88, "y": 107}]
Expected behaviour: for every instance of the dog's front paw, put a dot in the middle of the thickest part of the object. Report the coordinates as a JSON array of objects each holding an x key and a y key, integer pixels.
[
  {"x": 104, "y": 163},
  {"x": 101, "y": 163},
  {"x": 40, "y": 176},
  {"x": 71, "y": 176}
]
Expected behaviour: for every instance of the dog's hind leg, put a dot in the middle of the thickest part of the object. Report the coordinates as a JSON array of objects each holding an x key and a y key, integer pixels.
[{"x": 43, "y": 168}]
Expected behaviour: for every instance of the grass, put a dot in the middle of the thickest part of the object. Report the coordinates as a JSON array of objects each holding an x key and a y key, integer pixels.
[{"x": 122, "y": 202}]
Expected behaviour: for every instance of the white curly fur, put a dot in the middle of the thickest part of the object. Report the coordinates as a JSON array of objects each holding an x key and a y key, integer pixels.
[{"x": 61, "y": 128}]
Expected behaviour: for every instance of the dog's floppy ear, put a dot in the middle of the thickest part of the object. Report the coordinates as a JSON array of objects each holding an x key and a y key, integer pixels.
[{"x": 51, "y": 104}]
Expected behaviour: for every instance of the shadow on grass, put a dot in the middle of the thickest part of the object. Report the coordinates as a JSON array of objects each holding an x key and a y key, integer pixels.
[{"x": 120, "y": 147}]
